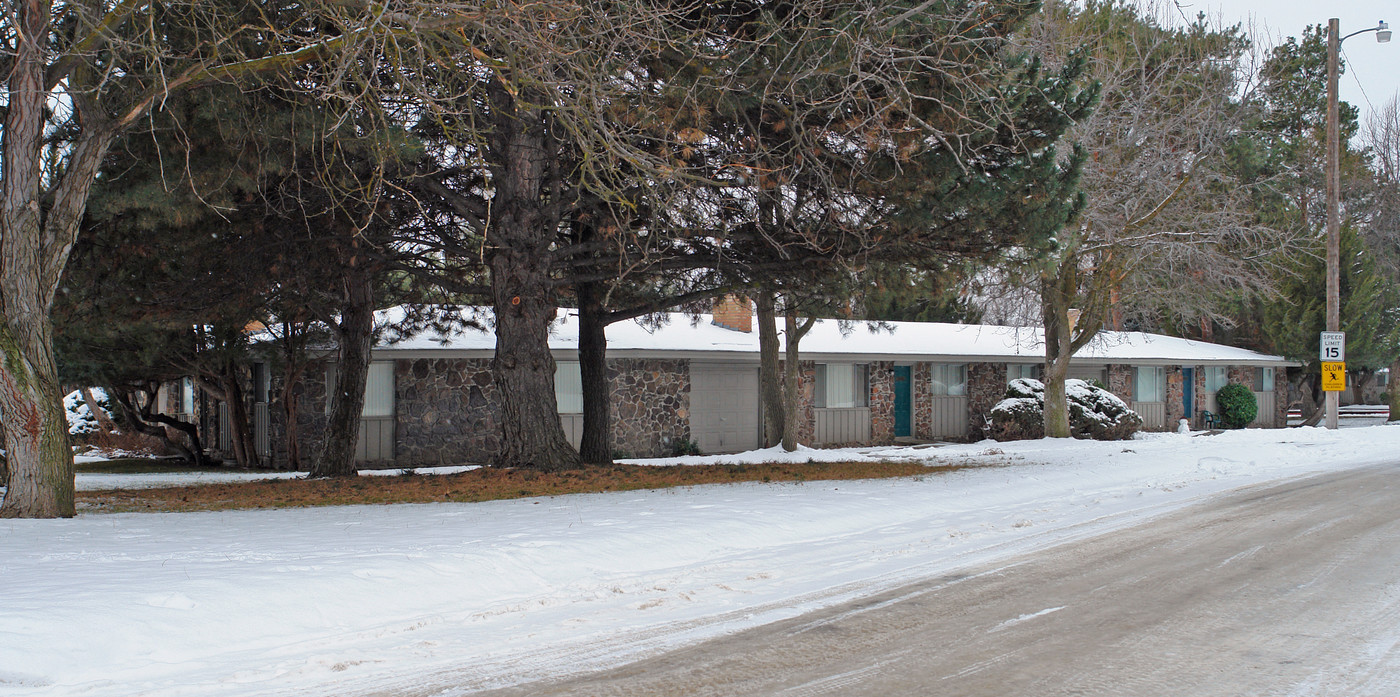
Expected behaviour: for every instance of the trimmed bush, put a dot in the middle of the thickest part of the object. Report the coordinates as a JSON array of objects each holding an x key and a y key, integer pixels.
[
  {"x": 683, "y": 447},
  {"x": 1093, "y": 412},
  {"x": 1237, "y": 404}
]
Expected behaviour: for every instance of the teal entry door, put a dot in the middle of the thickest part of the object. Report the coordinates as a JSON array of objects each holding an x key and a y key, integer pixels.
[{"x": 903, "y": 405}]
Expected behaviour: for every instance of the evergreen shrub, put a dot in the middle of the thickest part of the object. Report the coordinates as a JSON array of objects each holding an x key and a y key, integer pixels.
[
  {"x": 1093, "y": 412},
  {"x": 1237, "y": 404}
]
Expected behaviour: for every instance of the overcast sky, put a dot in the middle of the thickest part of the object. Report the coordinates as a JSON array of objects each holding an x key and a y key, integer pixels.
[{"x": 1372, "y": 75}]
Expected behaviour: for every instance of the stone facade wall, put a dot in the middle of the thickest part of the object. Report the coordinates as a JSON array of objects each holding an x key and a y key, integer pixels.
[
  {"x": 310, "y": 396},
  {"x": 1280, "y": 397},
  {"x": 921, "y": 398},
  {"x": 650, "y": 405},
  {"x": 1120, "y": 381},
  {"x": 881, "y": 402},
  {"x": 1241, "y": 375},
  {"x": 447, "y": 411},
  {"x": 1176, "y": 404},
  {"x": 986, "y": 385}
]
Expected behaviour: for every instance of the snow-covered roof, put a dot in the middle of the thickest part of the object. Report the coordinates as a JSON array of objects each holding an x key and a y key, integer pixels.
[{"x": 685, "y": 335}]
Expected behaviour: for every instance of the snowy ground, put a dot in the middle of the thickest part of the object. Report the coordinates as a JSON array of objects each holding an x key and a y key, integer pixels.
[{"x": 456, "y": 597}]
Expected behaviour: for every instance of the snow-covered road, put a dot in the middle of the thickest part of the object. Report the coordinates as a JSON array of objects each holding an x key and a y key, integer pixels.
[
  {"x": 1277, "y": 589},
  {"x": 418, "y": 597}
]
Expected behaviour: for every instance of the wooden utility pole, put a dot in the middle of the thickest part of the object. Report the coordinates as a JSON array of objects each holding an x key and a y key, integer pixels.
[
  {"x": 1334, "y": 187},
  {"x": 1334, "y": 286}
]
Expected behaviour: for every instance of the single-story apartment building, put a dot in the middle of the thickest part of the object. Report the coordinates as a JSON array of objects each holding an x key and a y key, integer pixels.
[{"x": 430, "y": 398}]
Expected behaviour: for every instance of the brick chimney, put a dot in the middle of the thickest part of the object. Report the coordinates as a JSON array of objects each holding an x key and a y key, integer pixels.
[{"x": 734, "y": 312}]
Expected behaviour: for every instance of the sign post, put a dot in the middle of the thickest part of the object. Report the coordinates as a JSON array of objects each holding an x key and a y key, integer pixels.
[{"x": 1332, "y": 352}]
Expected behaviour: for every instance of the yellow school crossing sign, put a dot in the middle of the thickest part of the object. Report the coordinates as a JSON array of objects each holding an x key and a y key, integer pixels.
[{"x": 1334, "y": 377}]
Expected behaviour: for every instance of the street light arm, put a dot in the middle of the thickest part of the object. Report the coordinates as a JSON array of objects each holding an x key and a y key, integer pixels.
[{"x": 1381, "y": 27}]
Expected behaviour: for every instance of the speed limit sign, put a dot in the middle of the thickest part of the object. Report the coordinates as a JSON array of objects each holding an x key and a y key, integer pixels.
[{"x": 1332, "y": 347}]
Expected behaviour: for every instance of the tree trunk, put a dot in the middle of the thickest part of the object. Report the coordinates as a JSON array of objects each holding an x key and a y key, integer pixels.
[
  {"x": 1056, "y": 403},
  {"x": 1055, "y": 313},
  {"x": 244, "y": 452},
  {"x": 1311, "y": 398},
  {"x": 522, "y": 288},
  {"x": 1361, "y": 381},
  {"x": 37, "y": 450},
  {"x": 769, "y": 376},
  {"x": 291, "y": 378},
  {"x": 792, "y": 376},
  {"x": 531, "y": 434},
  {"x": 1392, "y": 389},
  {"x": 103, "y": 420},
  {"x": 596, "y": 446},
  {"x": 36, "y": 428},
  {"x": 142, "y": 420},
  {"x": 356, "y": 334},
  {"x": 293, "y": 345}
]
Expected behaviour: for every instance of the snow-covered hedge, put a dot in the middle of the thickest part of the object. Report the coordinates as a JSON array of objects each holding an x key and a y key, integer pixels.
[
  {"x": 1093, "y": 412},
  {"x": 81, "y": 422}
]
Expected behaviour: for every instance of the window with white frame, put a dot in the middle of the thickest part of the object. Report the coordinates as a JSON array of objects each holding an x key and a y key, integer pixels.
[
  {"x": 1216, "y": 378},
  {"x": 1263, "y": 379},
  {"x": 949, "y": 379},
  {"x": 1030, "y": 371},
  {"x": 187, "y": 396},
  {"x": 842, "y": 385},
  {"x": 379, "y": 389},
  {"x": 568, "y": 387},
  {"x": 1149, "y": 384}
]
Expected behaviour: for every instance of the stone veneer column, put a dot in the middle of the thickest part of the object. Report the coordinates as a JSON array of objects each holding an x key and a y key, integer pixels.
[
  {"x": 1120, "y": 381},
  {"x": 650, "y": 405},
  {"x": 986, "y": 385},
  {"x": 1176, "y": 407},
  {"x": 311, "y": 411},
  {"x": 881, "y": 403},
  {"x": 1280, "y": 397},
  {"x": 806, "y": 404},
  {"x": 921, "y": 397},
  {"x": 1240, "y": 375}
]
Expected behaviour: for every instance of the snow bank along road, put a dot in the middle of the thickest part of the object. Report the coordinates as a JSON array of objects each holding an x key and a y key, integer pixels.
[
  {"x": 420, "y": 599},
  {"x": 1290, "y": 589}
]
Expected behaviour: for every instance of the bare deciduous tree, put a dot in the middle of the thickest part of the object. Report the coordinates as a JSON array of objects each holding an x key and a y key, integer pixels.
[
  {"x": 1166, "y": 229},
  {"x": 1382, "y": 134}
]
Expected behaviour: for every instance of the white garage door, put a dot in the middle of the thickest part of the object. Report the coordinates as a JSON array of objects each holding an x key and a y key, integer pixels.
[{"x": 724, "y": 408}]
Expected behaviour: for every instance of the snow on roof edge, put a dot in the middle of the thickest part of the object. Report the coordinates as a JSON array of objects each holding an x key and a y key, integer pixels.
[{"x": 686, "y": 334}]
